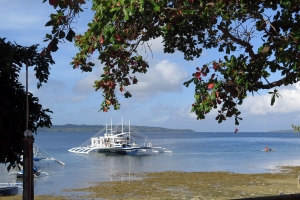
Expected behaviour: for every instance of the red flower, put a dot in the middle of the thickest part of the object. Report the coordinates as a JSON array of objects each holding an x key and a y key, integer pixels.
[{"x": 210, "y": 85}]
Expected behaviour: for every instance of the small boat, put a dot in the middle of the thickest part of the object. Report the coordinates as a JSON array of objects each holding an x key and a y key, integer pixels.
[
  {"x": 111, "y": 140},
  {"x": 9, "y": 189},
  {"x": 268, "y": 150},
  {"x": 36, "y": 174},
  {"x": 40, "y": 154}
]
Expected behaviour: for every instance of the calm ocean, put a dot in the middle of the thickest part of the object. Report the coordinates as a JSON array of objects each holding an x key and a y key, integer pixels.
[{"x": 233, "y": 152}]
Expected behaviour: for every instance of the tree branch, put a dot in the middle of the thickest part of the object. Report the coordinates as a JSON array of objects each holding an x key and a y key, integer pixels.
[
  {"x": 247, "y": 45},
  {"x": 276, "y": 83}
]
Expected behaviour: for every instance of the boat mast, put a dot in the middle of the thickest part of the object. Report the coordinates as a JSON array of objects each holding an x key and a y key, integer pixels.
[
  {"x": 111, "y": 130},
  {"x": 122, "y": 125},
  {"x": 129, "y": 130}
]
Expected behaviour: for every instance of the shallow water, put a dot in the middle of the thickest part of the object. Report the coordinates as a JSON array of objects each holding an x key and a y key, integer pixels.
[{"x": 240, "y": 153}]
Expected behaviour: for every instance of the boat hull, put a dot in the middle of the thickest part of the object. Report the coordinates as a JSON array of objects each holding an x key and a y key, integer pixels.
[
  {"x": 8, "y": 190},
  {"x": 122, "y": 151}
]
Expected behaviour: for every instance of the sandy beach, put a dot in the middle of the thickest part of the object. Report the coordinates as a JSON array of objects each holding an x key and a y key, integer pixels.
[{"x": 190, "y": 185}]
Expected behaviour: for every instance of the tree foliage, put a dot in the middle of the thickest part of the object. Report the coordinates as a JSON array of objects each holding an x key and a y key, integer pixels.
[
  {"x": 257, "y": 37},
  {"x": 296, "y": 128},
  {"x": 13, "y": 98}
]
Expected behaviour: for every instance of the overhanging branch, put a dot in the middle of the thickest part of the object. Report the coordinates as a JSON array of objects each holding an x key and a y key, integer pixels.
[
  {"x": 276, "y": 83},
  {"x": 243, "y": 43}
]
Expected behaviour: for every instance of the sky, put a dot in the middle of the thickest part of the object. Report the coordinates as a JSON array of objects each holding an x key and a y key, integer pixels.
[{"x": 159, "y": 99}]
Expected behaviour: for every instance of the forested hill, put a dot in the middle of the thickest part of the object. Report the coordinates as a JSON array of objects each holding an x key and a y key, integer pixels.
[{"x": 96, "y": 128}]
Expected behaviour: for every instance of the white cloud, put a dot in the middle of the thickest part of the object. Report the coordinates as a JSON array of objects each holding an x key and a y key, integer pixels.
[
  {"x": 55, "y": 91},
  {"x": 85, "y": 85},
  {"x": 20, "y": 15},
  {"x": 160, "y": 119},
  {"x": 156, "y": 45},
  {"x": 162, "y": 78},
  {"x": 62, "y": 98},
  {"x": 79, "y": 98},
  {"x": 24, "y": 21},
  {"x": 170, "y": 72},
  {"x": 287, "y": 103},
  {"x": 185, "y": 112}
]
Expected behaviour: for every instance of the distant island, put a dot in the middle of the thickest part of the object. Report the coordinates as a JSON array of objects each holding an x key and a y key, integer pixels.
[
  {"x": 96, "y": 128},
  {"x": 282, "y": 131}
]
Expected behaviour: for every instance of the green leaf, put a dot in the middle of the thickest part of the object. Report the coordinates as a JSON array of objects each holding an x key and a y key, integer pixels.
[
  {"x": 273, "y": 100},
  {"x": 127, "y": 95},
  {"x": 126, "y": 15},
  {"x": 54, "y": 43},
  {"x": 49, "y": 23},
  {"x": 114, "y": 17},
  {"x": 61, "y": 34},
  {"x": 111, "y": 29},
  {"x": 260, "y": 48},
  {"x": 187, "y": 83},
  {"x": 131, "y": 10},
  {"x": 70, "y": 35},
  {"x": 142, "y": 2},
  {"x": 62, "y": 4},
  {"x": 115, "y": 9},
  {"x": 237, "y": 121},
  {"x": 227, "y": 50},
  {"x": 49, "y": 36},
  {"x": 112, "y": 39},
  {"x": 155, "y": 6}
]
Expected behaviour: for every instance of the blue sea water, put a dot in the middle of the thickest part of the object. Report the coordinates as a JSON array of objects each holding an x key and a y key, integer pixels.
[{"x": 191, "y": 152}]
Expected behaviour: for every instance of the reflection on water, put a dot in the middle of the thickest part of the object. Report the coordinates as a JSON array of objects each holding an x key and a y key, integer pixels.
[{"x": 81, "y": 170}]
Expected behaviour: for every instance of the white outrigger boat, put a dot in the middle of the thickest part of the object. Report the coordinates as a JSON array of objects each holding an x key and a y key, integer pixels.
[{"x": 112, "y": 141}]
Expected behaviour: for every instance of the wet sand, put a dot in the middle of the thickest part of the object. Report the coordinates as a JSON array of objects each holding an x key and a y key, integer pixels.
[{"x": 189, "y": 185}]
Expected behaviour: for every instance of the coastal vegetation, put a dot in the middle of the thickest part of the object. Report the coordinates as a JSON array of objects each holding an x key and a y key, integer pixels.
[
  {"x": 96, "y": 128},
  {"x": 296, "y": 128},
  {"x": 13, "y": 98}
]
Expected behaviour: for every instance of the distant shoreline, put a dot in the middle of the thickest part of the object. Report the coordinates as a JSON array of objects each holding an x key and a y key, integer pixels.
[
  {"x": 288, "y": 131},
  {"x": 96, "y": 128}
]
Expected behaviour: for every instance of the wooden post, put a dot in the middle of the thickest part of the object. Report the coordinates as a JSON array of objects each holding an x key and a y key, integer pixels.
[{"x": 28, "y": 184}]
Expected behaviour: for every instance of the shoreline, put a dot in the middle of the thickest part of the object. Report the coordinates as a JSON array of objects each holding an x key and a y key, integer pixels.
[{"x": 188, "y": 185}]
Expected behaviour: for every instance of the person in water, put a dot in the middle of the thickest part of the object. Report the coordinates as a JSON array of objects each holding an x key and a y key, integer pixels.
[{"x": 267, "y": 149}]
